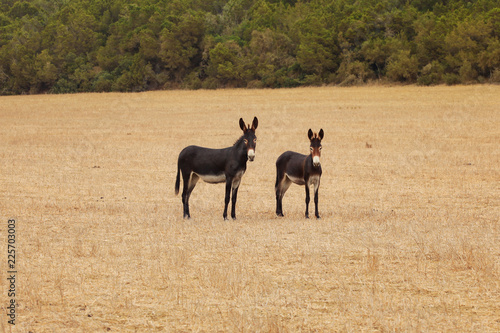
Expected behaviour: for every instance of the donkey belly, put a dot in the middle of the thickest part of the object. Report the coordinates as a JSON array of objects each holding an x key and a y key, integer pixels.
[
  {"x": 213, "y": 179},
  {"x": 296, "y": 180},
  {"x": 221, "y": 178},
  {"x": 294, "y": 167}
]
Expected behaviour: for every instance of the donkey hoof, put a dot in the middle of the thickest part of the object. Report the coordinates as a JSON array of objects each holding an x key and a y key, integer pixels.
[{"x": 307, "y": 216}]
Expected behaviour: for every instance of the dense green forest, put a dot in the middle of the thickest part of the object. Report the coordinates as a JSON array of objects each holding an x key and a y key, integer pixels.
[{"x": 63, "y": 46}]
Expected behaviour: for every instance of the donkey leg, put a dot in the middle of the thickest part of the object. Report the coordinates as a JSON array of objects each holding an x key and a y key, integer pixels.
[
  {"x": 277, "y": 189},
  {"x": 279, "y": 197},
  {"x": 316, "y": 212},
  {"x": 308, "y": 198},
  {"x": 279, "y": 205},
  {"x": 233, "y": 202},
  {"x": 192, "y": 184},
  {"x": 280, "y": 193},
  {"x": 229, "y": 183},
  {"x": 185, "y": 186},
  {"x": 189, "y": 184},
  {"x": 235, "y": 185}
]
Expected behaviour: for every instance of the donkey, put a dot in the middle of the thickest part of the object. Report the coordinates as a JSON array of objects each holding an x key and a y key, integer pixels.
[
  {"x": 217, "y": 166},
  {"x": 300, "y": 169}
]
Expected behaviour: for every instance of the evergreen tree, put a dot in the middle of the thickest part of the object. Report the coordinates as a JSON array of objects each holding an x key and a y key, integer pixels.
[{"x": 135, "y": 45}]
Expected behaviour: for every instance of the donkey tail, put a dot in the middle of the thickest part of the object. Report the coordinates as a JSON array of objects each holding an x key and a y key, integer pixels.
[{"x": 177, "y": 181}]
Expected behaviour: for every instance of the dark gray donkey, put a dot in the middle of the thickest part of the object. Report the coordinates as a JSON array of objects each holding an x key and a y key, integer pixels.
[
  {"x": 217, "y": 166},
  {"x": 301, "y": 170}
]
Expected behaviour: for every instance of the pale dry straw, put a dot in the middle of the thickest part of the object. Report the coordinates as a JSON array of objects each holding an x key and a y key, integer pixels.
[{"x": 408, "y": 240}]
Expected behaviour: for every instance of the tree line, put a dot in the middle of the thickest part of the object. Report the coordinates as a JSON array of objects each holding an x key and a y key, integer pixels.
[{"x": 62, "y": 46}]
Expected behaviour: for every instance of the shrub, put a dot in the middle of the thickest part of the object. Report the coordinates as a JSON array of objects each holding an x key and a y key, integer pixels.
[
  {"x": 402, "y": 67},
  {"x": 431, "y": 74},
  {"x": 104, "y": 82},
  {"x": 353, "y": 73},
  {"x": 192, "y": 81},
  {"x": 467, "y": 73},
  {"x": 495, "y": 76},
  {"x": 451, "y": 79},
  {"x": 64, "y": 86}
]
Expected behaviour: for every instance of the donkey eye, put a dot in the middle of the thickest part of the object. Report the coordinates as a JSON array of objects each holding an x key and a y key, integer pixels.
[
  {"x": 254, "y": 140},
  {"x": 311, "y": 148},
  {"x": 320, "y": 148},
  {"x": 246, "y": 141}
]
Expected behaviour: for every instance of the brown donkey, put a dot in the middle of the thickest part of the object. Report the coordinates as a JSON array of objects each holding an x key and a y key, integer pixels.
[{"x": 300, "y": 169}]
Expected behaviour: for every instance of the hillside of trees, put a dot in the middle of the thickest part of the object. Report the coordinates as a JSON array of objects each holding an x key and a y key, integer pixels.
[{"x": 63, "y": 46}]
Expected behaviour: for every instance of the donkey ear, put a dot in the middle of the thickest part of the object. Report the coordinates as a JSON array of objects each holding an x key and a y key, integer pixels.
[
  {"x": 242, "y": 125},
  {"x": 310, "y": 134},
  {"x": 255, "y": 123},
  {"x": 321, "y": 134}
]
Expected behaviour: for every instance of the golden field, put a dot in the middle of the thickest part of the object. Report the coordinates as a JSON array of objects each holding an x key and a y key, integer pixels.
[{"x": 409, "y": 239}]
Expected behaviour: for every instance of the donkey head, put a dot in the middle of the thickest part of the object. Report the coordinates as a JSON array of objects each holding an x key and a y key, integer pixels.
[
  {"x": 315, "y": 146},
  {"x": 249, "y": 137}
]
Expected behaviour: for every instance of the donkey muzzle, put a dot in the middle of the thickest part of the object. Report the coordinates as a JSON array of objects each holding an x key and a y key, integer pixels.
[
  {"x": 251, "y": 154},
  {"x": 316, "y": 161}
]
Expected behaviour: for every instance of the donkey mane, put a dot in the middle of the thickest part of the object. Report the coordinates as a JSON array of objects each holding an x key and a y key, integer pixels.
[{"x": 238, "y": 141}]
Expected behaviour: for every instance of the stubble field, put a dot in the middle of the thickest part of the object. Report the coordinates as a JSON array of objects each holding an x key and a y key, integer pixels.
[{"x": 409, "y": 238}]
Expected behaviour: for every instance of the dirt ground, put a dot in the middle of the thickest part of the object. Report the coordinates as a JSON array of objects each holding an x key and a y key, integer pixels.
[{"x": 409, "y": 238}]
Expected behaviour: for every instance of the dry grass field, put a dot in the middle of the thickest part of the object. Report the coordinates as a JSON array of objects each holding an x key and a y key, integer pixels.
[{"x": 409, "y": 239}]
